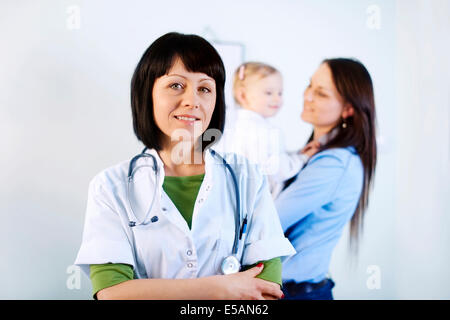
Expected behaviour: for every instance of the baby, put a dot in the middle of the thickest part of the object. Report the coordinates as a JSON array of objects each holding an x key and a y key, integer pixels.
[{"x": 258, "y": 90}]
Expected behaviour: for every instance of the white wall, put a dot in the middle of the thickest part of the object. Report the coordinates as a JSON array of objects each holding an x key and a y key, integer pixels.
[
  {"x": 422, "y": 234},
  {"x": 65, "y": 115}
]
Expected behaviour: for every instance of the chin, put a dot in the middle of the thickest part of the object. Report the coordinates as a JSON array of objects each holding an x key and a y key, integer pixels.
[
  {"x": 305, "y": 118},
  {"x": 271, "y": 113}
]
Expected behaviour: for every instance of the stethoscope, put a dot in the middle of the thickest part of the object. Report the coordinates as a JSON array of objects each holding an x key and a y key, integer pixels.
[{"x": 229, "y": 264}]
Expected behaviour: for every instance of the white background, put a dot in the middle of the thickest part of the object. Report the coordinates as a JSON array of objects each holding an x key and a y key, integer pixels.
[{"x": 65, "y": 115}]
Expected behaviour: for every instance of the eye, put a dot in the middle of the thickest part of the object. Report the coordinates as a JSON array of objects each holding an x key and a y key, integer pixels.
[
  {"x": 176, "y": 86},
  {"x": 321, "y": 94},
  {"x": 205, "y": 90},
  {"x": 269, "y": 93}
]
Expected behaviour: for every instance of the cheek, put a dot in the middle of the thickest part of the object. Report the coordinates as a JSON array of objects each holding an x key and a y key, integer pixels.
[
  {"x": 162, "y": 109},
  {"x": 328, "y": 112},
  {"x": 322, "y": 113},
  {"x": 208, "y": 110},
  {"x": 160, "y": 120},
  {"x": 263, "y": 102},
  {"x": 208, "y": 116},
  {"x": 256, "y": 98}
]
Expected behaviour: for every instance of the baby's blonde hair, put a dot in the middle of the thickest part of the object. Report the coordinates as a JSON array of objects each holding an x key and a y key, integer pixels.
[{"x": 250, "y": 69}]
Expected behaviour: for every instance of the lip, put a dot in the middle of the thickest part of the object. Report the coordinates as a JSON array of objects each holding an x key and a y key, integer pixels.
[
  {"x": 274, "y": 107},
  {"x": 194, "y": 118}
]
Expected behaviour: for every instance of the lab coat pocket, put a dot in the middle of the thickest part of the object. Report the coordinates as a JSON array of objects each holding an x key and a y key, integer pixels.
[
  {"x": 157, "y": 244},
  {"x": 225, "y": 244}
]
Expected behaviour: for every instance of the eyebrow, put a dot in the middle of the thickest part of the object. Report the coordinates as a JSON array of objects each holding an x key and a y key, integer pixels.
[
  {"x": 320, "y": 87},
  {"x": 179, "y": 75}
]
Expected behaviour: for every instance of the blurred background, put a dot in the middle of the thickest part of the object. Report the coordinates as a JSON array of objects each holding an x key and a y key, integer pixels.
[{"x": 65, "y": 70}]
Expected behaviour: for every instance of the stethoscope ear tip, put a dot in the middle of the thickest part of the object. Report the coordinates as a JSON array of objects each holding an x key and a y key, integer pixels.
[{"x": 132, "y": 224}]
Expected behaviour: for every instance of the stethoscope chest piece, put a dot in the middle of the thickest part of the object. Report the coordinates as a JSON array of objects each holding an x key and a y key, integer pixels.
[{"x": 230, "y": 265}]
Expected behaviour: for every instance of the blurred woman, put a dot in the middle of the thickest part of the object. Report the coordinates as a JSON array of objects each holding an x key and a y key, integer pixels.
[{"x": 333, "y": 187}]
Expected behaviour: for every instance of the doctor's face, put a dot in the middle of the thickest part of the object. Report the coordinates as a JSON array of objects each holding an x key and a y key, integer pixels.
[
  {"x": 322, "y": 105},
  {"x": 183, "y": 100}
]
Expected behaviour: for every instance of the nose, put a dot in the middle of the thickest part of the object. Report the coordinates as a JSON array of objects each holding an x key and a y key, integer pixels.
[
  {"x": 307, "y": 95},
  {"x": 191, "y": 98},
  {"x": 278, "y": 99}
]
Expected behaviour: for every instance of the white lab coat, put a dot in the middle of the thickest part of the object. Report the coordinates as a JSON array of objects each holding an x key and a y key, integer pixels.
[
  {"x": 254, "y": 137},
  {"x": 167, "y": 248}
]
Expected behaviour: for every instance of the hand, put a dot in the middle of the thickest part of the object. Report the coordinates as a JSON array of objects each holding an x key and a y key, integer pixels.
[
  {"x": 244, "y": 286},
  {"x": 311, "y": 148}
]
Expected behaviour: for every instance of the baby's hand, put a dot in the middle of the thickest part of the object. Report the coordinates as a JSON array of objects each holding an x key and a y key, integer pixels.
[{"x": 311, "y": 148}]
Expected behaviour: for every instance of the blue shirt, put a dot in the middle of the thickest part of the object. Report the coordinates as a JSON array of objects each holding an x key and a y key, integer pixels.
[{"x": 315, "y": 208}]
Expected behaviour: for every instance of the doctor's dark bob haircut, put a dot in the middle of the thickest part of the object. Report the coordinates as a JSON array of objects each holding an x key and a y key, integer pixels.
[{"x": 197, "y": 55}]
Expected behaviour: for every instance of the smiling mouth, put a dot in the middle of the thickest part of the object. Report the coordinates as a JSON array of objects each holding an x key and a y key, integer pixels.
[{"x": 186, "y": 118}]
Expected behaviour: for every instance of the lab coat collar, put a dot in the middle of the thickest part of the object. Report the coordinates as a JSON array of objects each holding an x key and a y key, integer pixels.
[
  {"x": 167, "y": 205},
  {"x": 210, "y": 161}
]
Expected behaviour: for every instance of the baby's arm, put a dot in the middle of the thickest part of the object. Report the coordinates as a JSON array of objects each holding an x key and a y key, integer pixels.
[
  {"x": 284, "y": 165},
  {"x": 310, "y": 149}
]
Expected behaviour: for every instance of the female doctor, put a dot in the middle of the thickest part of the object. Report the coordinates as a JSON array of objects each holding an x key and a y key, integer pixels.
[{"x": 180, "y": 221}]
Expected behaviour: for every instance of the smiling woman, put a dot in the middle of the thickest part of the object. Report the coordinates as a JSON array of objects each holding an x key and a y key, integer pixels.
[
  {"x": 183, "y": 107},
  {"x": 196, "y": 75},
  {"x": 178, "y": 90},
  {"x": 333, "y": 187},
  {"x": 199, "y": 235}
]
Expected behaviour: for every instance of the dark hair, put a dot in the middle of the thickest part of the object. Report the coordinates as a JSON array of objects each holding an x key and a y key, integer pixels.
[
  {"x": 197, "y": 55},
  {"x": 354, "y": 84}
]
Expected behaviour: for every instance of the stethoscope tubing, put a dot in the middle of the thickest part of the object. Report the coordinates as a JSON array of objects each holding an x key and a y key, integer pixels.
[
  {"x": 239, "y": 231},
  {"x": 131, "y": 171}
]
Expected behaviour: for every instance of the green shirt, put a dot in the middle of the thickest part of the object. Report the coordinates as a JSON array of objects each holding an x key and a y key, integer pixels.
[{"x": 183, "y": 193}]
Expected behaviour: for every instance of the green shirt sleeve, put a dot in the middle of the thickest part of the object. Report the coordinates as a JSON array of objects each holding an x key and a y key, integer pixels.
[
  {"x": 271, "y": 271},
  {"x": 109, "y": 274}
]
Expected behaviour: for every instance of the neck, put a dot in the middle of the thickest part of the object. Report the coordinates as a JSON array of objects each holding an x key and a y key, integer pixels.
[
  {"x": 182, "y": 159},
  {"x": 320, "y": 132}
]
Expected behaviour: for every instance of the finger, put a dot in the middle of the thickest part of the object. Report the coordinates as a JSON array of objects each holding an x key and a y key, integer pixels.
[
  {"x": 270, "y": 288},
  {"x": 253, "y": 272},
  {"x": 313, "y": 144},
  {"x": 276, "y": 293},
  {"x": 260, "y": 297},
  {"x": 306, "y": 148},
  {"x": 269, "y": 297}
]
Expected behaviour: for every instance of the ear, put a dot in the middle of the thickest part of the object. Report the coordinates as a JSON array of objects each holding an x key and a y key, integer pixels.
[
  {"x": 241, "y": 96},
  {"x": 348, "y": 111}
]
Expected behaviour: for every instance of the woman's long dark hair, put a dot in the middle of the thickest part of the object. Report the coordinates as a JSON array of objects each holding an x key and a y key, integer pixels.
[{"x": 354, "y": 84}]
